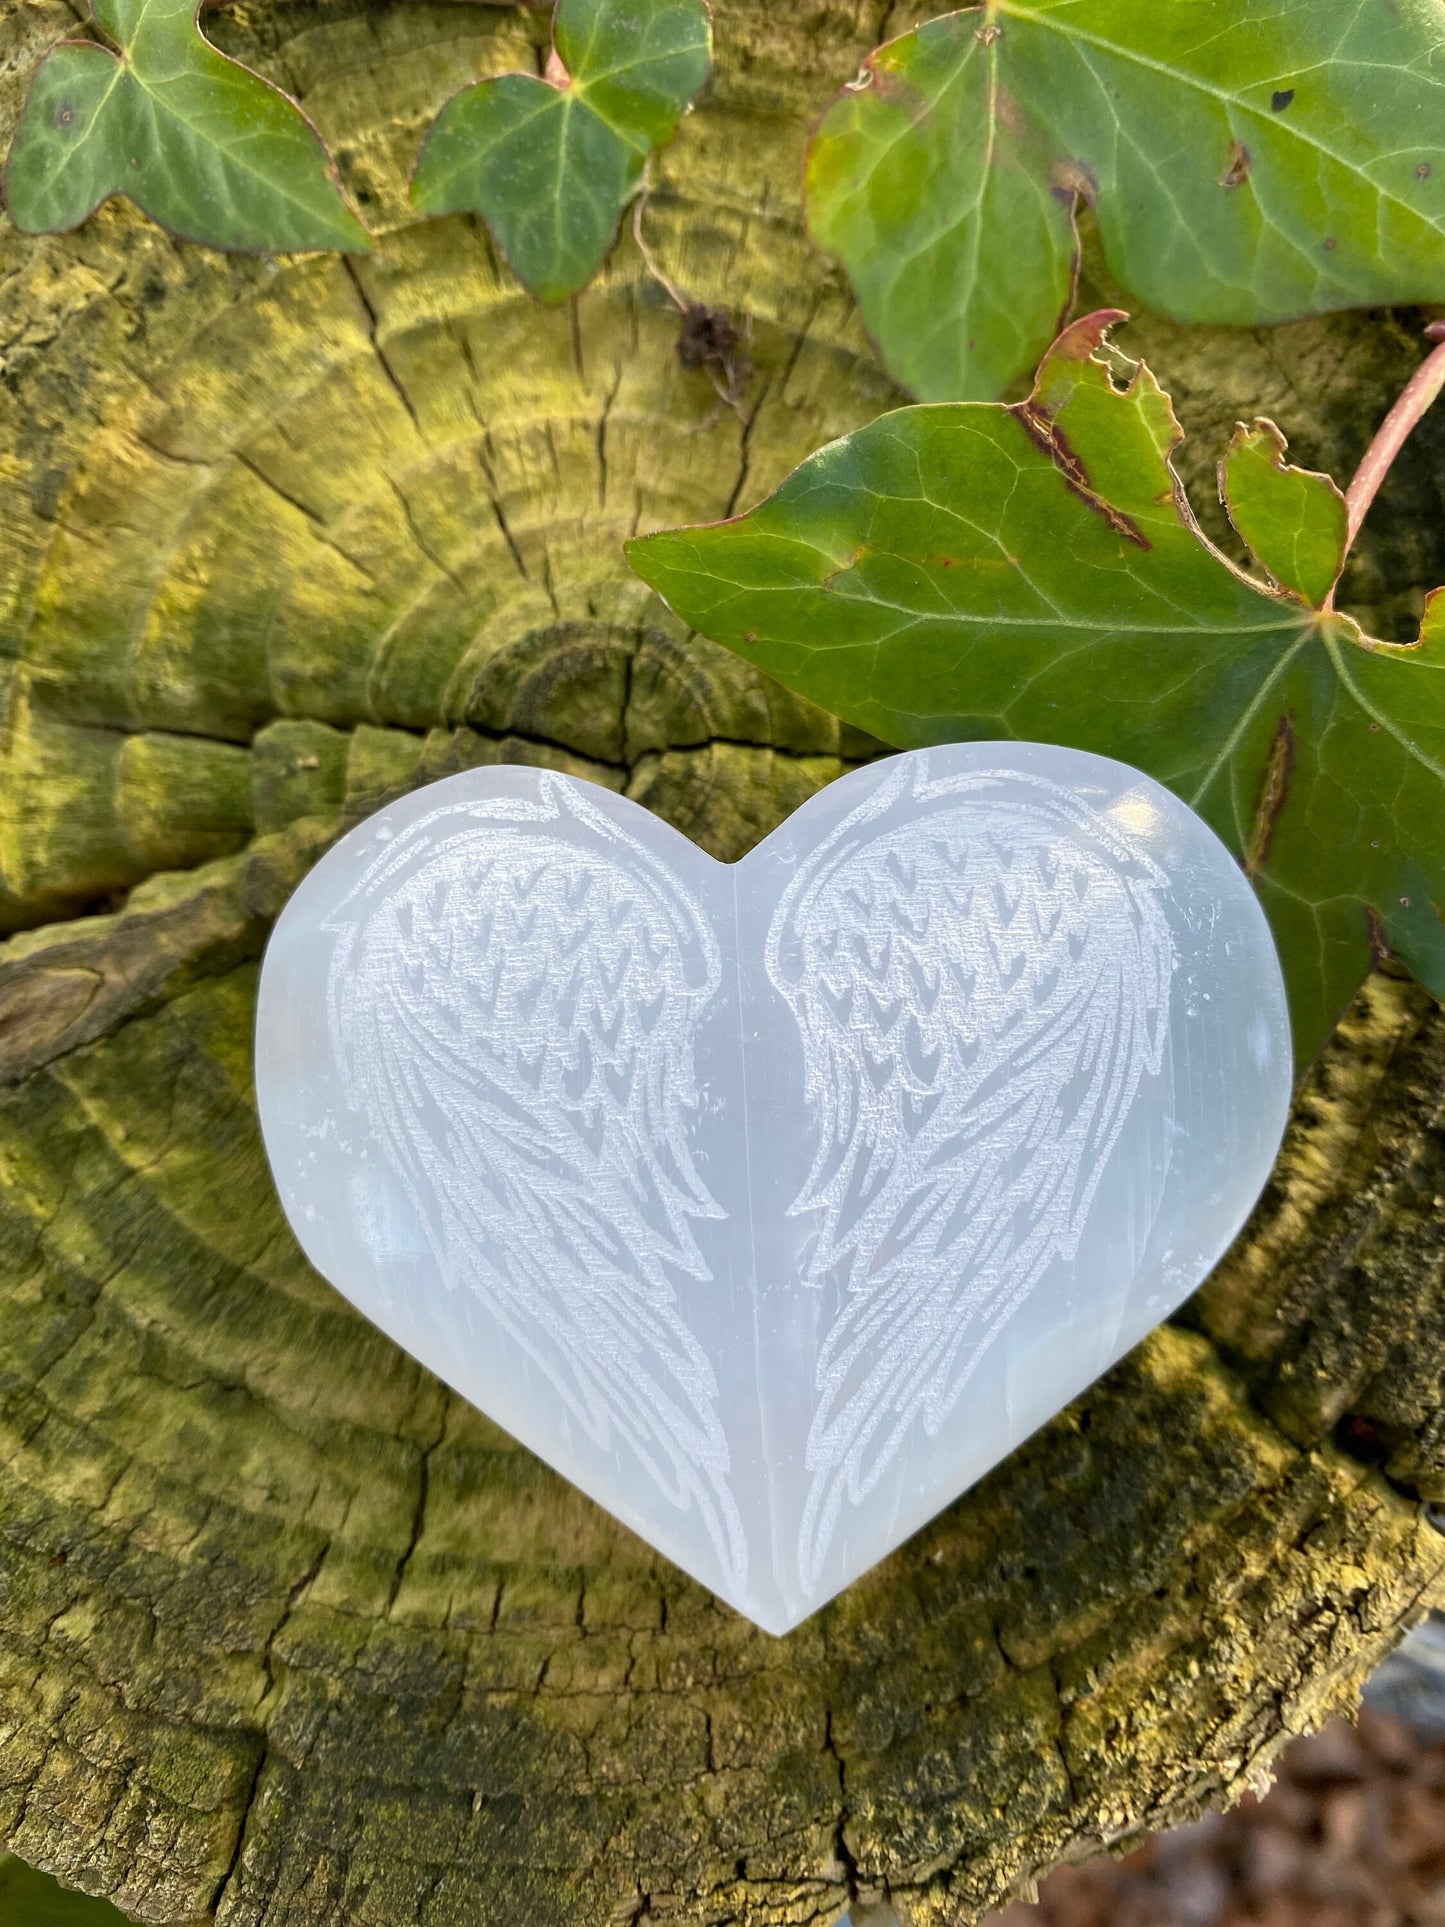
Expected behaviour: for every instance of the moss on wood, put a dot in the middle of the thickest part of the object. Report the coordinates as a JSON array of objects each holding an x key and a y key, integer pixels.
[{"x": 288, "y": 1635}]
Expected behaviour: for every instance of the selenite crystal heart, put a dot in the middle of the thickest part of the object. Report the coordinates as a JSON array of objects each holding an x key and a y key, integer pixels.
[{"x": 774, "y": 1202}]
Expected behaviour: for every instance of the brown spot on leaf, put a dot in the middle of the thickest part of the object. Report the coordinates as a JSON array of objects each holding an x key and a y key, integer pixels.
[
  {"x": 1273, "y": 795},
  {"x": 1422, "y": 172},
  {"x": 1068, "y": 178},
  {"x": 897, "y": 90},
  {"x": 1008, "y": 112},
  {"x": 989, "y": 34},
  {"x": 64, "y": 114},
  {"x": 1237, "y": 173},
  {"x": 1041, "y": 428},
  {"x": 1282, "y": 99},
  {"x": 1380, "y": 951},
  {"x": 1330, "y": 244}
]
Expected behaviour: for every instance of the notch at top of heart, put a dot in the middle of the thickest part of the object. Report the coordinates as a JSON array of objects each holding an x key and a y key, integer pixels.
[{"x": 774, "y": 1203}]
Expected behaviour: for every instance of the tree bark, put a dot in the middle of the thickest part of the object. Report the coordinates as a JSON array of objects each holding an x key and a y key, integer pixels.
[{"x": 289, "y": 1634}]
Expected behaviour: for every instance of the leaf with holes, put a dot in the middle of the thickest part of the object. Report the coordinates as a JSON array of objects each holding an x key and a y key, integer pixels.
[
  {"x": 197, "y": 141},
  {"x": 1246, "y": 161},
  {"x": 550, "y": 163},
  {"x": 973, "y": 570}
]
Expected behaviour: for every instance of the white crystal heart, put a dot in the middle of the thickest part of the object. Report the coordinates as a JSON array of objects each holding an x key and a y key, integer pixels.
[{"x": 774, "y": 1202}]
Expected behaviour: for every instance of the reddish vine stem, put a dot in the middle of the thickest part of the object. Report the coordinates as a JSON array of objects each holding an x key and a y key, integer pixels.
[{"x": 1420, "y": 391}]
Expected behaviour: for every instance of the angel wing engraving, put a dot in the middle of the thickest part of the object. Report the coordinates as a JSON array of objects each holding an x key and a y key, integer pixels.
[
  {"x": 514, "y": 999},
  {"x": 980, "y": 985}
]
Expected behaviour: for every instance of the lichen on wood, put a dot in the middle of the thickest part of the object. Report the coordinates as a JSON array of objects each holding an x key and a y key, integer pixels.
[{"x": 290, "y": 1636}]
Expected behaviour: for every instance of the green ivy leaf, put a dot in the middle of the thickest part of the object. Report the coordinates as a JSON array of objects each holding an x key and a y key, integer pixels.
[
  {"x": 197, "y": 141},
  {"x": 550, "y": 164},
  {"x": 975, "y": 571},
  {"x": 1294, "y": 520},
  {"x": 31, "y": 1899},
  {"x": 1247, "y": 161}
]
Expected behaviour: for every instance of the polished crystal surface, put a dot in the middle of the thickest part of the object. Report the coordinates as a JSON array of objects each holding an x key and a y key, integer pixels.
[{"x": 773, "y": 1203}]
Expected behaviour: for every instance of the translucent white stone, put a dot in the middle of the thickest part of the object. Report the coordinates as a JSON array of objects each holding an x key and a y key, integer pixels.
[{"x": 774, "y": 1203}]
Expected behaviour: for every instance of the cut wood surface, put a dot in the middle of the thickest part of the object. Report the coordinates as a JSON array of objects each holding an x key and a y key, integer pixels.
[{"x": 290, "y": 1635}]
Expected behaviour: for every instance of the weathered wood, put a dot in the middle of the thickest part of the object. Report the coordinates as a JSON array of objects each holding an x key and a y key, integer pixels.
[{"x": 288, "y": 1635}]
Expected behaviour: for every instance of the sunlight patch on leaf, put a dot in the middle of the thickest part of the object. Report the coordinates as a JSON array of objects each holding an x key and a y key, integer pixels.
[{"x": 1246, "y": 161}]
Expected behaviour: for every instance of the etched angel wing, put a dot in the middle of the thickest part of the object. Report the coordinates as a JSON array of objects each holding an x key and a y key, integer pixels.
[
  {"x": 981, "y": 986},
  {"x": 514, "y": 1008}
]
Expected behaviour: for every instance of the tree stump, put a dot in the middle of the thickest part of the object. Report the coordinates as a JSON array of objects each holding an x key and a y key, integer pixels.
[{"x": 292, "y": 1636}]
